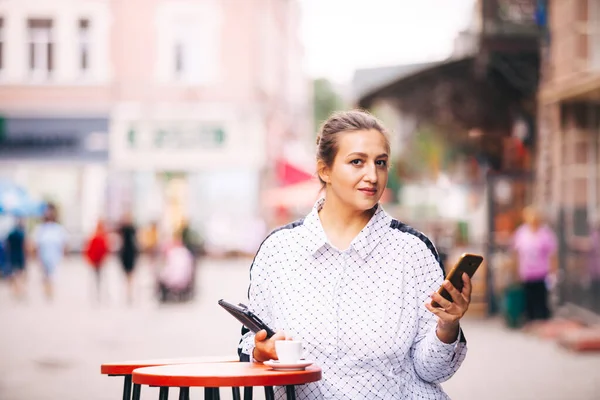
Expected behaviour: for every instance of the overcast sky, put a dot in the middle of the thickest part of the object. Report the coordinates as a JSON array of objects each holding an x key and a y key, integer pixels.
[{"x": 342, "y": 35}]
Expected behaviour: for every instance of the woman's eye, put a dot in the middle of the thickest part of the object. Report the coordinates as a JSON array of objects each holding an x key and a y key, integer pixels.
[
  {"x": 356, "y": 162},
  {"x": 381, "y": 163}
]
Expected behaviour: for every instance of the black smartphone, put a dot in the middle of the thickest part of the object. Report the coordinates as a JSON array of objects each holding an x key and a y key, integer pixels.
[
  {"x": 468, "y": 263},
  {"x": 246, "y": 317}
]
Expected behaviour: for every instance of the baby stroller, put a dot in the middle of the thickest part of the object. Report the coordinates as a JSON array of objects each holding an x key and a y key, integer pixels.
[{"x": 177, "y": 277}]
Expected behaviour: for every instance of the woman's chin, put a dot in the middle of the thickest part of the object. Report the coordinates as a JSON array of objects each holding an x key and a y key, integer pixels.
[{"x": 366, "y": 204}]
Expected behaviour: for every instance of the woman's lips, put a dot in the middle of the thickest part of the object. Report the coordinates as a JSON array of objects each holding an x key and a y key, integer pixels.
[{"x": 369, "y": 192}]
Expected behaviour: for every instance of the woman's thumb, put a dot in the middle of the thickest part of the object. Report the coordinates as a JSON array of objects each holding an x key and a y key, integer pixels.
[{"x": 261, "y": 335}]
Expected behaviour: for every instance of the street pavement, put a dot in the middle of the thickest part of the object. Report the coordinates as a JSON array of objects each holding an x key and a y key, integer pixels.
[{"x": 54, "y": 350}]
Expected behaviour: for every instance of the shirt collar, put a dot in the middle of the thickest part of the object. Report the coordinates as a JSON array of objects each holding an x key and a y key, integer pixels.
[
  {"x": 313, "y": 223},
  {"x": 363, "y": 243}
]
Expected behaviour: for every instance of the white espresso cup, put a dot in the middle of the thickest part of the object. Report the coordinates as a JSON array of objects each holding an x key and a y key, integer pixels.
[{"x": 289, "y": 351}]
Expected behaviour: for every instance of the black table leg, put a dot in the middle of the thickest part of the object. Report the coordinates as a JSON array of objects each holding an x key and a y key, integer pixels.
[
  {"x": 211, "y": 394},
  {"x": 269, "y": 394},
  {"x": 137, "y": 388},
  {"x": 184, "y": 393},
  {"x": 248, "y": 391},
  {"x": 236, "y": 393},
  {"x": 164, "y": 393},
  {"x": 127, "y": 388},
  {"x": 291, "y": 392}
]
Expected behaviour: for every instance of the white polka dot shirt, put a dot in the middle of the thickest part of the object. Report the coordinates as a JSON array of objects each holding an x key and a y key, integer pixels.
[{"x": 360, "y": 312}]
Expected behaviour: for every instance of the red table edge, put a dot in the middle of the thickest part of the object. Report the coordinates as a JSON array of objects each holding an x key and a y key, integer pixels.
[
  {"x": 127, "y": 369},
  {"x": 278, "y": 378}
]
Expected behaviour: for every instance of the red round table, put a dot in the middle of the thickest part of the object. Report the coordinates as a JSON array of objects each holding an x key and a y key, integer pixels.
[
  {"x": 126, "y": 368},
  {"x": 212, "y": 376}
]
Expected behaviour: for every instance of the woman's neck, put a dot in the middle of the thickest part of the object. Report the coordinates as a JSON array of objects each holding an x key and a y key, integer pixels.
[{"x": 341, "y": 224}]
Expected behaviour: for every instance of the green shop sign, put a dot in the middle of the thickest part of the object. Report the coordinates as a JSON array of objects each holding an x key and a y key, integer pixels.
[{"x": 182, "y": 137}]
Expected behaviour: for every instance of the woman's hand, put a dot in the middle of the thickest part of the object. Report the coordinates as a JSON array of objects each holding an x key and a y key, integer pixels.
[
  {"x": 451, "y": 312},
  {"x": 264, "y": 349}
]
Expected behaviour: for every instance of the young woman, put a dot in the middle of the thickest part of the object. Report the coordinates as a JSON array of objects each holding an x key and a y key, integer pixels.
[
  {"x": 128, "y": 252},
  {"x": 535, "y": 246},
  {"x": 50, "y": 240},
  {"x": 16, "y": 251},
  {"x": 96, "y": 250},
  {"x": 355, "y": 285}
]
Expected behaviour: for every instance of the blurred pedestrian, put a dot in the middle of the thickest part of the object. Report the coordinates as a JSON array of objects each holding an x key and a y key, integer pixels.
[
  {"x": 50, "y": 239},
  {"x": 96, "y": 250},
  {"x": 535, "y": 246},
  {"x": 128, "y": 252},
  {"x": 15, "y": 249},
  {"x": 191, "y": 239},
  {"x": 151, "y": 242},
  {"x": 175, "y": 277},
  {"x": 594, "y": 266}
]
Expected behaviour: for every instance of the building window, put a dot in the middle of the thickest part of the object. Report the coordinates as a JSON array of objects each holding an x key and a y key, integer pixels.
[
  {"x": 179, "y": 55},
  {"x": 579, "y": 223},
  {"x": 41, "y": 57},
  {"x": 192, "y": 54},
  {"x": 186, "y": 53},
  {"x": 84, "y": 45},
  {"x": 594, "y": 33}
]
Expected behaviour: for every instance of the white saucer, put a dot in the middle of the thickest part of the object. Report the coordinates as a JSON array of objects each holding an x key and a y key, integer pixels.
[{"x": 298, "y": 366}]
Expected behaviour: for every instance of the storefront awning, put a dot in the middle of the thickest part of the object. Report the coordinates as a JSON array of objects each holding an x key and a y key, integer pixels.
[
  {"x": 393, "y": 88},
  {"x": 289, "y": 174}
]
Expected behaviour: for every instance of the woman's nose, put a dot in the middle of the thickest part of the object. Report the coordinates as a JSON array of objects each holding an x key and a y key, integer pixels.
[{"x": 371, "y": 173}]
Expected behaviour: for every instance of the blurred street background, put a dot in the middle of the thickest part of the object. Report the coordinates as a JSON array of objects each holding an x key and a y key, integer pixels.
[
  {"x": 55, "y": 351},
  {"x": 157, "y": 142}
]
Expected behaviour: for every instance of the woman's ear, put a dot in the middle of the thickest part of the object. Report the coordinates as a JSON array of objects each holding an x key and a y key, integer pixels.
[{"x": 323, "y": 171}]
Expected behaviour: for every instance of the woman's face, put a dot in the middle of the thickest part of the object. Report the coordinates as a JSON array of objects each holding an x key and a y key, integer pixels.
[
  {"x": 532, "y": 217},
  {"x": 359, "y": 172}
]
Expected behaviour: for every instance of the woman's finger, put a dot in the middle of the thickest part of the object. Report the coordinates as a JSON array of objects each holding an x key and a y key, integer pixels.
[
  {"x": 442, "y": 314},
  {"x": 445, "y": 304},
  {"x": 437, "y": 311},
  {"x": 454, "y": 293},
  {"x": 467, "y": 287},
  {"x": 260, "y": 336}
]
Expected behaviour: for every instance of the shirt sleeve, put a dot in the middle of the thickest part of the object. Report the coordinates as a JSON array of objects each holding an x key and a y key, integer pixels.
[
  {"x": 434, "y": 360},
  {"x": 259, "y": 299}
]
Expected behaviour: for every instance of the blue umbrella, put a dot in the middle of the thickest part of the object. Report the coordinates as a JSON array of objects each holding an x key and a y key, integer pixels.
[{"x": 16, "y": 201}]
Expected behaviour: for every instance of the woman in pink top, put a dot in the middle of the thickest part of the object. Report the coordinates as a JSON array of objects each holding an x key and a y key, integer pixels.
[{"x": 535, "y": 245}]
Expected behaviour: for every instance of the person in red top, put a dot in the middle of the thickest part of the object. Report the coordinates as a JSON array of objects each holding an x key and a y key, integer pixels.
[{"x": 96, "y": 251}]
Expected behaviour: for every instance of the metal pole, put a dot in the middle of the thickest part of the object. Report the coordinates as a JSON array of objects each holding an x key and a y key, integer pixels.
[
  {"x": 127, "y": 388},
  {"x": 291, "y": 392}
]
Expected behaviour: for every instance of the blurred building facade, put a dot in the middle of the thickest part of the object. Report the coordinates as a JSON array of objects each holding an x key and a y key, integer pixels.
[
  {"x": 172, "y": 110},
  {"x": 568, "y": 162},
  {"x": 55, "y": 102},
  {"x": 472, "y": 117}
]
